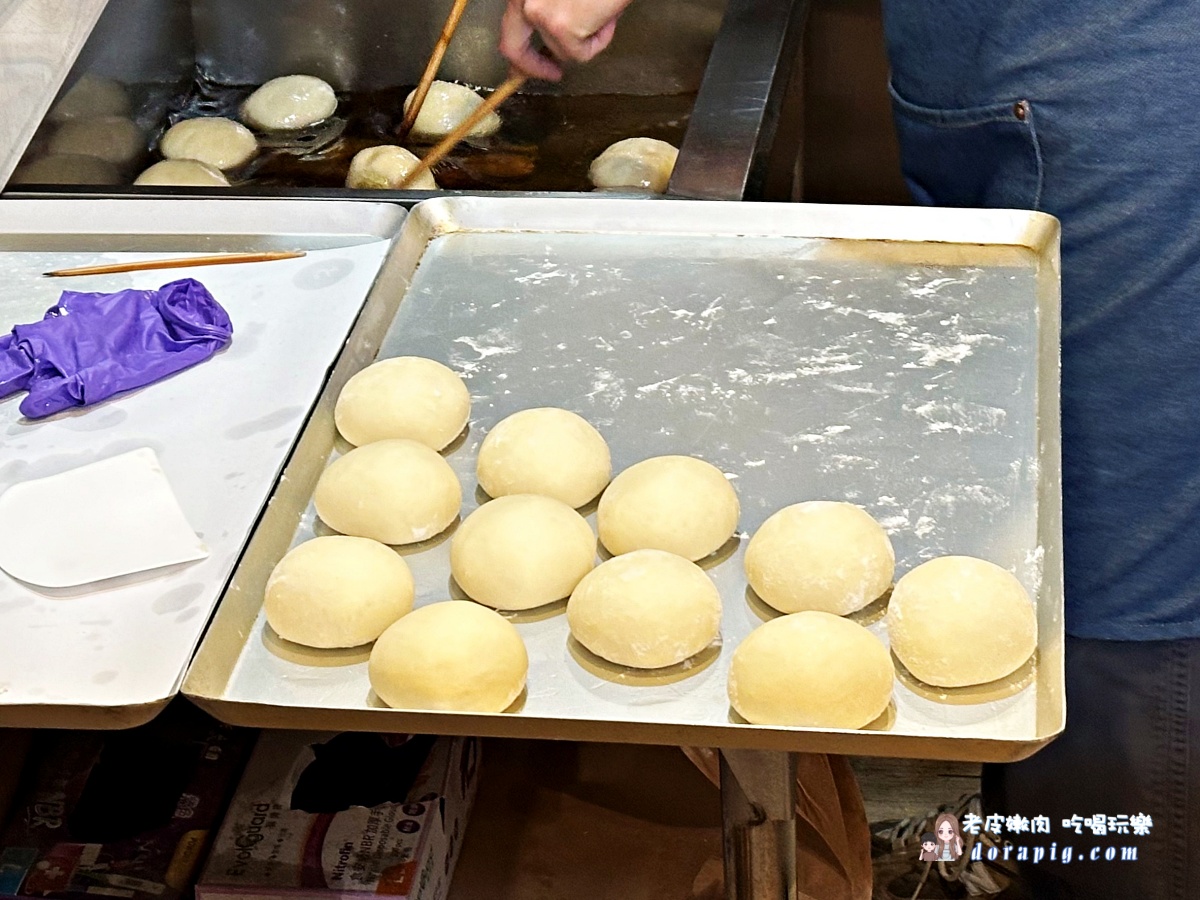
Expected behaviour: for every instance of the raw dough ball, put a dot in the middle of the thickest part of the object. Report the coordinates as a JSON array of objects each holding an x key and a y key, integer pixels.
[
  {"x": 397, "y": 492},
  {"x": 958, "y": 620},
  {"x": 545, "y": 451},
  {"x": 66, "y": 168},
  {"x": 289, "y": 103},
  {"x": 811, "y": 670},
  {"x": 522, "y": 551},
  {"x": 446, "y": 106},
  {"x": 406, "y": 397},
  {"x": 385, "y": 168},
  {"x": 820, "y": 555},
  {"x": 182, "y": 173},
  {"x": 646, "y": 609},
  {"x": 456, "y": 656},
  {"x": 640, "y": 162},
  {"x": 221, "y": 143},
  {"x": 337, "y": 591},
  {"x": 89, "y": 97},
  {"x": 675, "y": 503},
  {"x": 113, "y": 139}
]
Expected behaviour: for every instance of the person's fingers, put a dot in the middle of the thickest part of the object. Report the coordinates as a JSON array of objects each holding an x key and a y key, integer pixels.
[
  {"x": 538, "y": 65},
  {"x": 555, "y": 47},
  {"x": 516, "y": 45},
  {"x": 596, "y": 43},
  {"x": 567, "y": 37},
  {"x": 575, "y": 49},
  {"x": 571, "y": 31}
]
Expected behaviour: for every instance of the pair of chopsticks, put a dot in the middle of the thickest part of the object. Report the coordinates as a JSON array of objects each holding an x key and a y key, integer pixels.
[
  {"x": 448, "y": 143},
  {"x": 443, "y": 148},
  {"x": 431, "y": 68},
  {"x": 222, "y": 259}
]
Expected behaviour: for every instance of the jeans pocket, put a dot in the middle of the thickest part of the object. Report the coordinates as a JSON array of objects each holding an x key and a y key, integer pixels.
[{"x": 981, "y": 156}]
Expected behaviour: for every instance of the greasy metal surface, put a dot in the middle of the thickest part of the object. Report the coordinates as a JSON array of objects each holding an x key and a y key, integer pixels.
[
  {"x": 39, "y": 40},
  {"x": 156, "y": 46},
  {"x": 110, "y": 654},
  {"x": 140, "y": 41},
  {"x": 904, "y": 359},
  {"x": 660, "y": 46},
  {"x": 725, "y": 151}
]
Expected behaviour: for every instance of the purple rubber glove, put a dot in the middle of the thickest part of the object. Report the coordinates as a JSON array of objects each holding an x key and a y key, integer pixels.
[{"x": 91, "y": 346}]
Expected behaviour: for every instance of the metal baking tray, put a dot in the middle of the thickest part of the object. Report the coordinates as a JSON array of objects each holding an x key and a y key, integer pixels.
[
  {"x": 904, "y": 359},
  {"x": 112, "y": 653}
]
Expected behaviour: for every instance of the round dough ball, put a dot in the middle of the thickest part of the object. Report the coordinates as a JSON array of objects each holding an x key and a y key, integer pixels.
[
  {"x": 457, "y": 656},
  {"x": 113, "y": 139},
  {"x": 545, "y": 451},
  {"x": 337, "y": 591},
  {"x": 646, "y": 609},
  {"x": 446, "y": 106},
  {"x": 811, "y": 670},
  {"x": 405, "y": 397},
  {"x": 675, "y": 503},
  {"x": 521, "y": 552},
  {"x": 89, "y": 97},
  {"x": 820, "y": 555},
  {"x": 182, "y": 173},
  {"x": 640, "y": 163},
  {"x": 289, "y": 103},
  {"x": 385, "y": 168},
  {"x": 221, "y": 143},
  {"x": 397, "y": 492},
  {"x": 66, "y": 168},
  {"x": 958, "y": 620}
]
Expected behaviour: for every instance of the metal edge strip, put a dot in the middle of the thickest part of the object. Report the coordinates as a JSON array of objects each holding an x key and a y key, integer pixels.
[
  {"x": 856, "y": 743},
  {"x": 1033, "y": 231},
  {"x": 736, "y": 113}
]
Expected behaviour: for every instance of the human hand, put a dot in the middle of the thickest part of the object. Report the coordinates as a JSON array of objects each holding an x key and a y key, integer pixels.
[{"x": 572, "y": 30}]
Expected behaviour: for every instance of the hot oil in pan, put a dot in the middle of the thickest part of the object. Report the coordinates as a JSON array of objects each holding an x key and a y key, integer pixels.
[{"x": 545, "y": 143}]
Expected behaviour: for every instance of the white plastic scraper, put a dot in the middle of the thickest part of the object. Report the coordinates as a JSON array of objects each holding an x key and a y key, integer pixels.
[{"x": 109, "y": 518}]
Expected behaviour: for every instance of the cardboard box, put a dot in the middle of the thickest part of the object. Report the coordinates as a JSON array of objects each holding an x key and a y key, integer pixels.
[
  {"x": 319, "y": 815},
  {"x": 124, "y": 814}
]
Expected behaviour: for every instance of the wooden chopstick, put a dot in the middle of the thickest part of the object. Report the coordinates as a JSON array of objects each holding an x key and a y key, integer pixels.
[
  {"x": 431, "y": 69},
  {"x": 438, "y": 153},
  {"x": 223, "y": 259}
]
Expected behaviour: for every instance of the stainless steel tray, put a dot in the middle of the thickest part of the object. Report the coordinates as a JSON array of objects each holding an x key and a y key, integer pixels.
[
  {"x": 112, "y": 653},
  {"x": 904, "y": 359}
]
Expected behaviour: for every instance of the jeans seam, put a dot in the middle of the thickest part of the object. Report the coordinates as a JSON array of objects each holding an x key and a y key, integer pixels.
[
  {"x": 1177, "y": 761},
  {"x": 1037, "y": 152},
  {"x": 967, "y": 117},
  {"x": 972, "y": 117}
]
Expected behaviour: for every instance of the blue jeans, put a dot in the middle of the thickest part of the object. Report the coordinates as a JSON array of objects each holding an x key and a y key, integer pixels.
[
  {"x": 1132, "y": 745},
  {"x": 1089, "y": 111}
]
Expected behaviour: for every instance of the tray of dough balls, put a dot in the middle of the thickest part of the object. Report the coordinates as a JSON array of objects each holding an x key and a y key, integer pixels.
[{"x": 729, "y": 474}]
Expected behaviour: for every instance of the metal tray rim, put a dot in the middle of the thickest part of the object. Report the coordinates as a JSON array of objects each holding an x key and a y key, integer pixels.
[{"x": 1038, "y": 233}]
